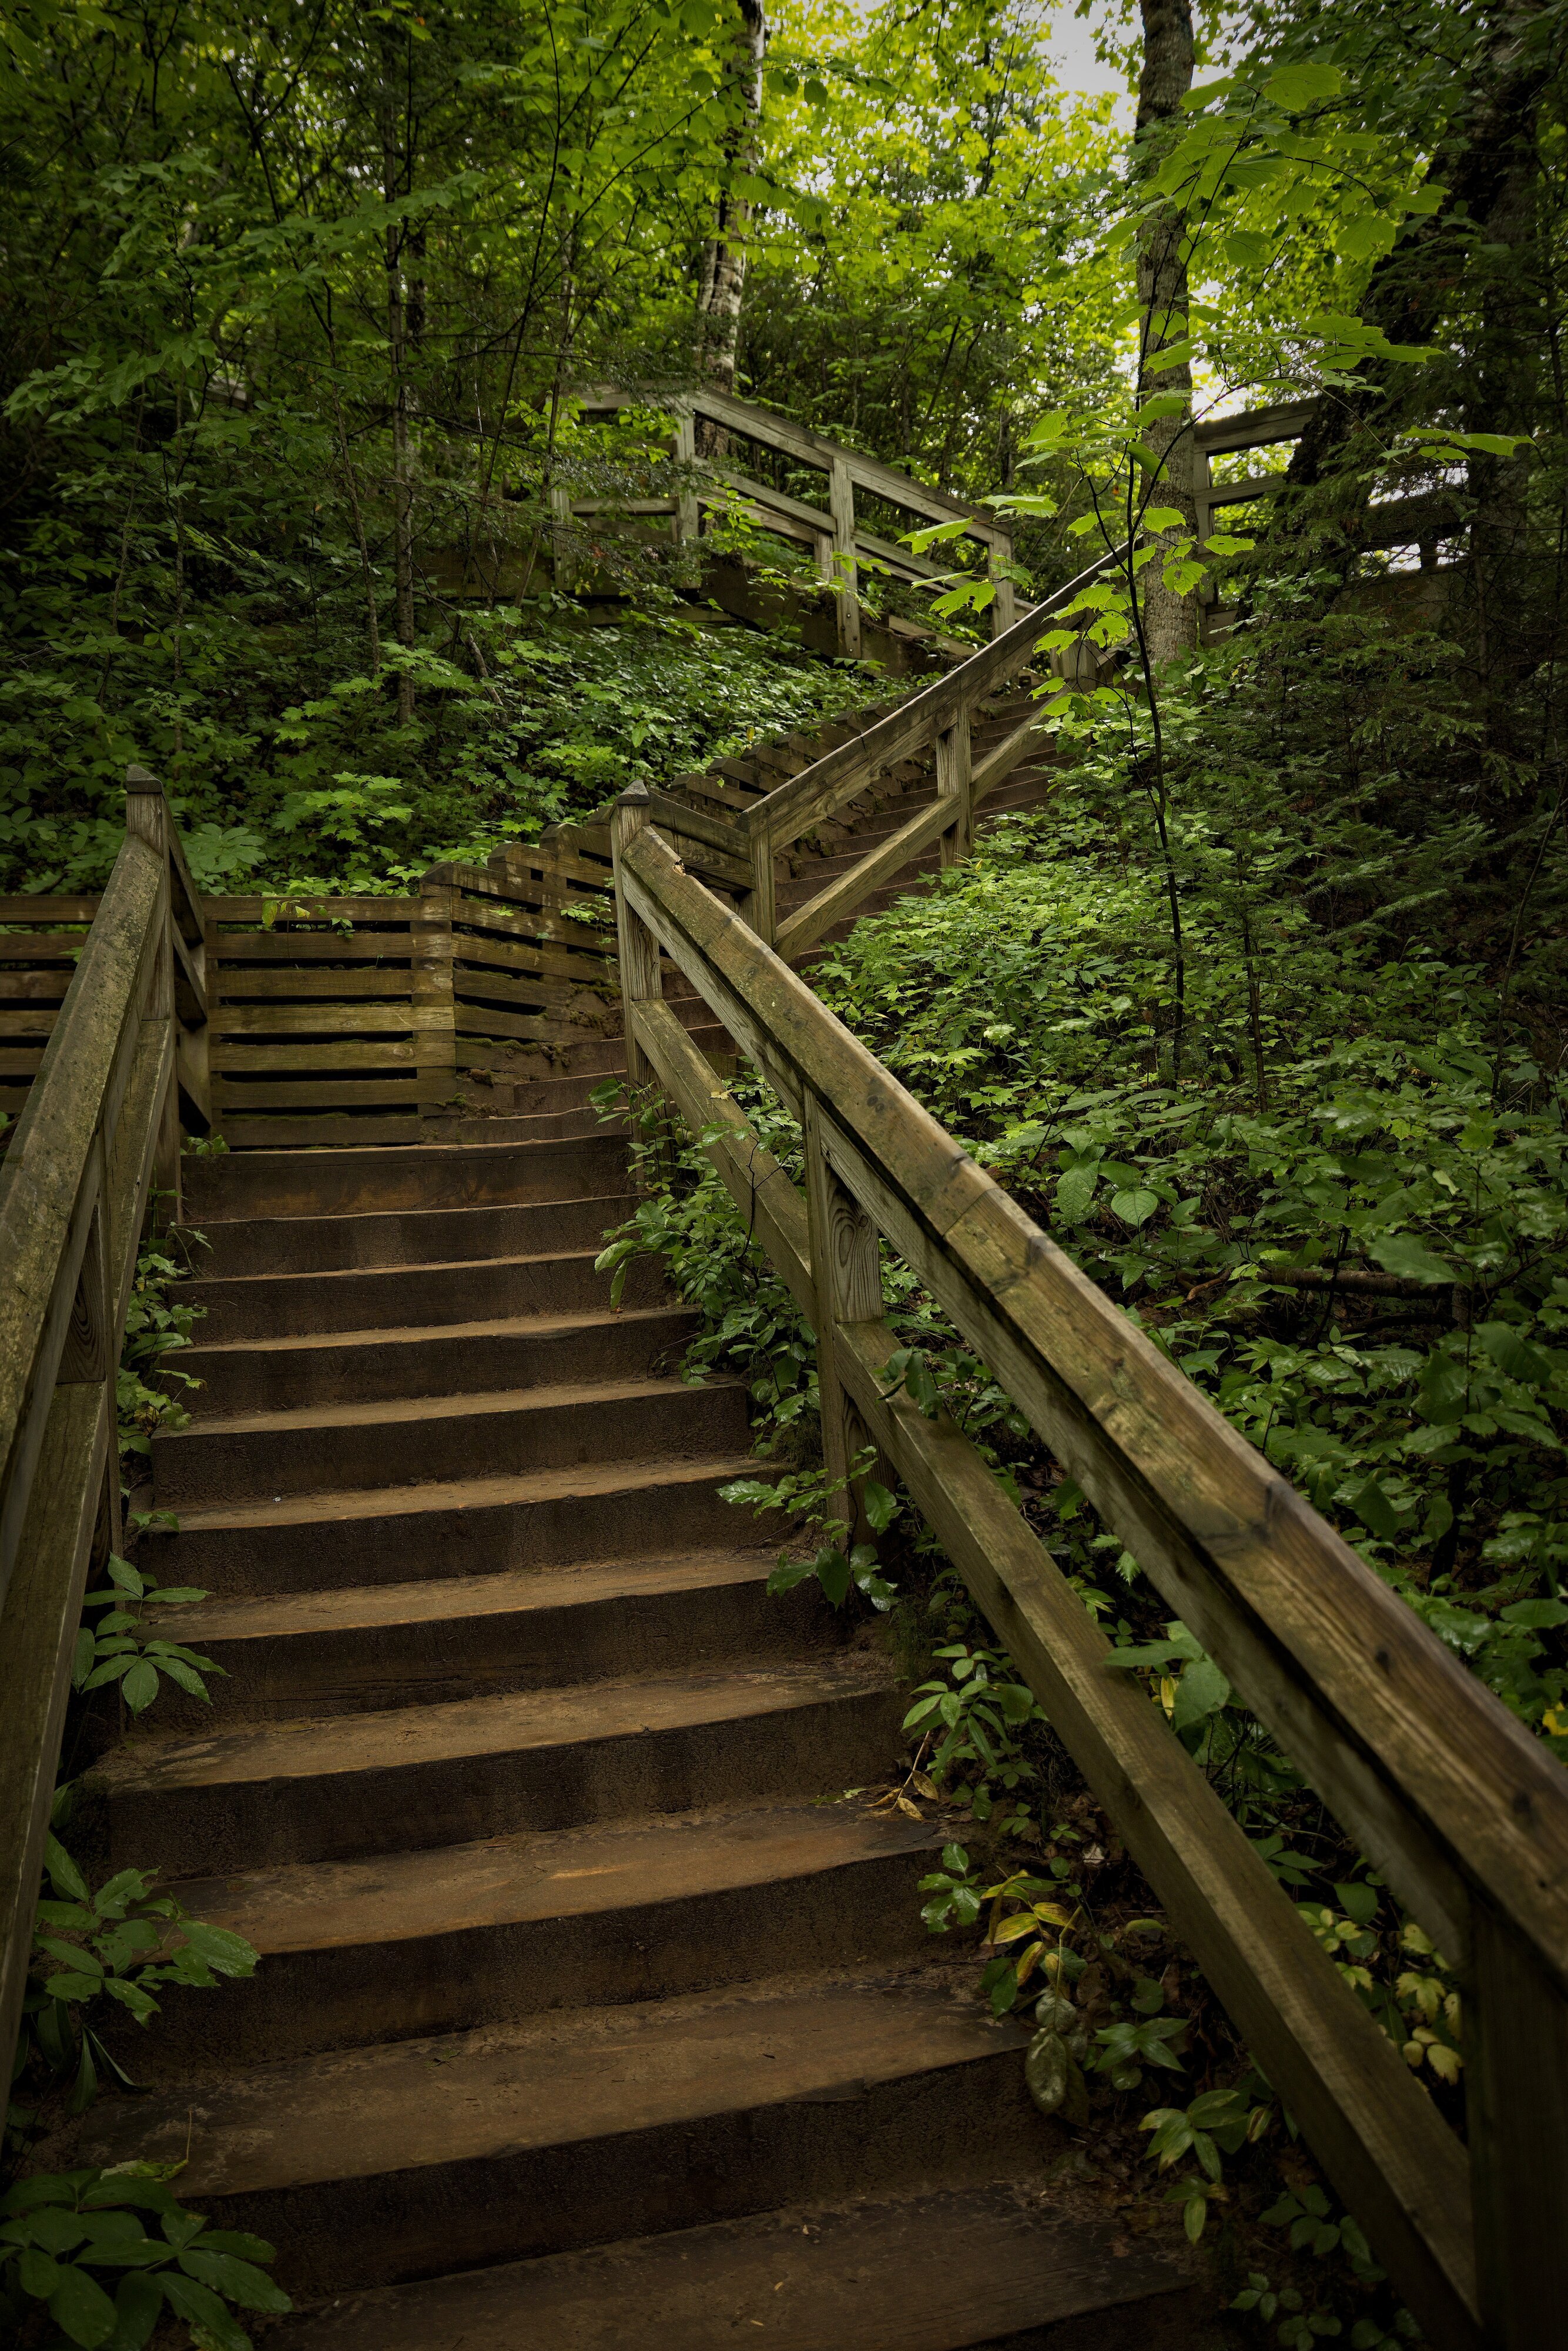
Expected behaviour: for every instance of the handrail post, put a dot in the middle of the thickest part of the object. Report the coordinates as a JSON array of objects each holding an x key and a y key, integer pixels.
[
  {"x": 955, "y": 782},
  {"x": 147, "y": 819},
  {"x": 759, "y": 907},
  {"x": 1515, "y": 2116},
  {"x": 642, "y": 980},
  {"x": 841, "y": 500},
  {"x": 846, "y": 1282},
  {"x": 1004, "y": 604},
  {"x": 683, "y": 449}
]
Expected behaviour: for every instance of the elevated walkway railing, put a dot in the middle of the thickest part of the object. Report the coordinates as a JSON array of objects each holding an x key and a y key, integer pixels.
[
  {"x": 838, "y": 541},
  {"x": 1443, "y": 1792}
]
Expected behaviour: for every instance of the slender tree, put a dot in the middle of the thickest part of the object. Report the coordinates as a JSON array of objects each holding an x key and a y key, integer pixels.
[{"x": 1170, "y": 619}]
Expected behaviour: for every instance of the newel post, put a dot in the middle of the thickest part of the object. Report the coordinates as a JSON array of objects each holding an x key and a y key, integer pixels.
[
  {"x": 955, "y": 783},
  {"x": 846, "y": 1278},
  {"x": 1516, "y": 2114},
  {"x": 147, "y": 819},
  {"x": 842, "y": 501},
  {"x": 758, "y": 908},
  {"x": 642, "y": 981}
]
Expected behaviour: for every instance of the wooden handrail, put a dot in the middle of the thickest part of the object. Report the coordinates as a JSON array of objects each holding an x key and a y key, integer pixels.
[
  {"x": 938, "y": 720},
  {"x": 1439, "y": 1787},
  {"x": 98, "y": 1136}
]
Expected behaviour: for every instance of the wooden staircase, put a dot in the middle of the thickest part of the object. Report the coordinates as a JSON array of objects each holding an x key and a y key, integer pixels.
[{"x": 593, "y": 2010}]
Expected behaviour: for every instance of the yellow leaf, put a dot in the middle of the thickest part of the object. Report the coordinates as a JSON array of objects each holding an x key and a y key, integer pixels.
[
  {"x": 906, "y": 1806},
  {"x": 1445, "y": 2062},
  {"x": 926, "y": 1787},
  {"x": 1021, "y": 1923}
]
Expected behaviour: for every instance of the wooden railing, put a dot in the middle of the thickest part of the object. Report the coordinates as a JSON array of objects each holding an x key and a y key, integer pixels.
[
  {"x": 1444, "y": 1793},
  {"x": 937, "y": 723},
  {"x": 97, "y": 1134},
  {"x": 839, "y": 541}
]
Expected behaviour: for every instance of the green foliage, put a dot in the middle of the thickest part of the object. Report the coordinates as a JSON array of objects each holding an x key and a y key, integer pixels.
[
  {"x": 116, "y": 1648},
  {"x": 75, "y": 2244},
  {"x": 158, "y": 1325}
]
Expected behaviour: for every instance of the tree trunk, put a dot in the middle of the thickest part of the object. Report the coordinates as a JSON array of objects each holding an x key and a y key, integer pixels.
[
  {"x": 1480, "y": 164},
  {"x": 723, "y": 281},
  {"x": 1170, "y": 620},
  {"x": 395, "y": 177}
]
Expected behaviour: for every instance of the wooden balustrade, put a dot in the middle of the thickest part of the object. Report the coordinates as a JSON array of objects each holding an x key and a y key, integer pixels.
[
  {"x": 1462, "y": 1811},
  {"x": 98, "y": 1139},
  {"x": 838, "y": 539}
]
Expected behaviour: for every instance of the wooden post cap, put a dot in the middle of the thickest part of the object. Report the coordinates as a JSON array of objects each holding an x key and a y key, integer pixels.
[
  {"x": 634, "y": 796},
  {"x": 139, "y": 780}
]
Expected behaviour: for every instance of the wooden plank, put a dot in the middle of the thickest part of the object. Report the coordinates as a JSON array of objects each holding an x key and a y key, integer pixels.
[
  {"x": 40, "y": 914},
  {"x": 368, "y": 1093},
  {"x": 249, "y": 1061},
  {"x": 275, "y": 986},
  {"x": 993, "y": 767},
  {"x": 28, "y": 1020},
  {"x": 1439, "y": 1787},
  {"x": 241, "y": 949},
  {"x": 587, "y": 965},
  {"x": 1376, "y": 2133},
  {"x": 323, "y": 1131},
  {"x": 806, "y": 925},
  {"x": 1257, "y": 428},
  {"x": 251, "y": 912},
  {"x": 33, "y": 987},
  {"x": 500, "y": 987},
  {"x": 315, "y": 1020},
  {"x": 1516, "y": 2120},
  {"x": 38, "y": 1621},
  {"x": 481, "y": 1021},
  {"x": 784, "y": 814},
  {"x": 41, "y": 1233},
  {"x": 435, "y": 1044},
  {"x": 523, "y": 923},
  {"x": 59, "y": 948},
  {"x": 815, "y": 449}
]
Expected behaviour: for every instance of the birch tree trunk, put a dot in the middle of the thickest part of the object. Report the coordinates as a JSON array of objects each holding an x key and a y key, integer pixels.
[
  {"x": 723, "y": 280},
  {"x": 1170, "y": 621}
]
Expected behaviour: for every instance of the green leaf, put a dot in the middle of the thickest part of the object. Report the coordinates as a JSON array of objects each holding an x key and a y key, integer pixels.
[
  {"x": 1376, "y": 1512},
  {"x": 236, "y": 2280},
  {"x": 140, "y": 1686},
  {"x": 80, "y": 2309},
  {"x": 63, "y": 1873},
  {"x": 1134, "y": 1208},
  {"x": 788, "y": 1575},
  {"x": 880, "y": 1507},
  {"x": 200, "y": 2306},
  {"x": 1403, "y": 1254},
  {"x": 833, "y": 1576},
  {"x": 1295, "y": 87}
]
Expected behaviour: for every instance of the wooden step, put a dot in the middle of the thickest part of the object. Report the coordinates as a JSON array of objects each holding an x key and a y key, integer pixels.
[
  {"x": 364, "y": 1647},
  {"x": 928, "y": 2272},
  {"x": 390, "y": 1298},
  {"x": 284, "y": 1248},
  {"x": 596, "y": 1510},
  {"x": 451, "y": 1939},
  {"x": 427, "y": 1439},
  {"x": 381, "y": 1177},
  {"x": 328, "y": 1787},
  {"x": 434, "y": 2155},
  {"x": 448, "y": 1358}
]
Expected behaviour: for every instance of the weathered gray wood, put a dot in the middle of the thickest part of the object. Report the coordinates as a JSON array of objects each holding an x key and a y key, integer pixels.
[
  {"x": 1516, "y": 2114},
  {"x": 1347, "y": 1678},
  {"x": 33, "y": 987},
  {"x": 846, "y": 577},
  {"x": 33, "y": 1020},
  {"x": 846, "y": 1267},
  {"x": 432, "y": 1001},
  {"x": 360, "y": 1093},
  {"x": 316, "y": 1018},
  {"x": 252, "y": 913},
  {"x": 642, "y": 981},
  {"x": 281, "y": 985},
  {"x": 806, "y": 925},
  {"x": 956, "y": 785},
  {"x": 790, "y": 810},
  {"x": 1257, "y": 428},
  {"x": 38, "y": 1619},
  {"x": 760, "y": 904},
  {"x": 370, "y": 1053},
  {"x": 487, "y": 1020},
  {"x": 37, "y": 912},
  {"x": 43, "y": 1227}
]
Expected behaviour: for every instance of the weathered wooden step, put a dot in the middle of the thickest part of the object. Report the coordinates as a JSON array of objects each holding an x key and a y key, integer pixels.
[
  {"x": 427, "y": 1439},
  {"x": 288, "y": 1247},
  {"x": 328, "y": 1787},
  {"x": 448, "y": 1358},
  {"x": 423, "y": 1176},
  {"x": 494, "y": 1932},
  {"x": 606, "y": 1509},
  {"x": 393, "y": 1298},
  {"x": 364, "y": 1647},
  {"x": 953, "y": 2267},
  {"x": 383, "y": 2164}
]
